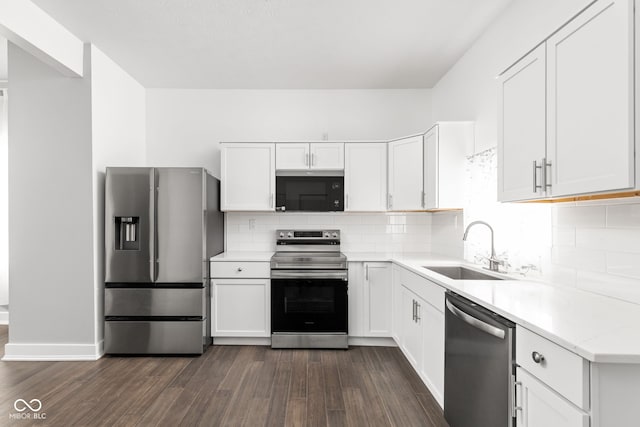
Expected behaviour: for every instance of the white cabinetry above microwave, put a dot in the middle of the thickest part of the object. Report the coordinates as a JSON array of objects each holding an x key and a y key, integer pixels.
[
  {"x": 566, "y": 112},
  {"x": 315, "y": 156}
]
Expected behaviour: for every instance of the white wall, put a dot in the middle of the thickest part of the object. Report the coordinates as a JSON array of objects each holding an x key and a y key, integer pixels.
[
  {"x": 4, "y": 199},
  {"x": 51, "y": 270},
  {"x": 28, "y": 26},
  {"x": 593, "y": 246},
  {"x": 468, "y": 91},
  {"x": 118, "y": 139},
  {"x": 184, "y": 127}
]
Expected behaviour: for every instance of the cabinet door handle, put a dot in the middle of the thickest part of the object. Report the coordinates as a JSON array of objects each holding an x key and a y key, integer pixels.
[
  {"x": 390, "y": 202},
  {"x": 366, "y": 272},
  {"x": 306, "y": 159},
  {"x": 535, "y": 176},
  {"x": 514, "y": 399},
  {"x": 239, "y": 269},
  {"x": 537, "y": 357},
  {"x": 313, "y": 159},
  {"x": 422, "y": 199},
  {"x": 547, "y": 179},
  {"x": 417, "y": 312},
  {"x": 413, "y": 317}
]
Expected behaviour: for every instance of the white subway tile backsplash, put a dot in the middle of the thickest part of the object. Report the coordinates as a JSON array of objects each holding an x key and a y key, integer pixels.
[
  {"x": 624, "y": 215},
  {"x": 609, "y": 239},
  {"x": 579, "y": 258},
  {"x": 579, "y": 216},
  {"x": 624, "y": 264},
  {"x": 564, "y": 236},
  {"x": 361, "y": 232}
]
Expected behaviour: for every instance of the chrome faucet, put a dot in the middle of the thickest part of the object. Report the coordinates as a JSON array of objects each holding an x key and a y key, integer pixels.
[{"x": 494, "y": 262}]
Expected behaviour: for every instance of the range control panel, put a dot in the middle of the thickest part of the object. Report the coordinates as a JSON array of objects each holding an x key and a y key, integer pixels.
[{"x": 293, "y": 235}]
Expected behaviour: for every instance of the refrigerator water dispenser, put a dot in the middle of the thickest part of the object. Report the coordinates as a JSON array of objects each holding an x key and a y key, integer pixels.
[{"x": 127, "y": 234}]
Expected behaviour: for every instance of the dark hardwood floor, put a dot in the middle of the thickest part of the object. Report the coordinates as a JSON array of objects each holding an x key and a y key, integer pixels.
[{"x": 228, "y": 385}]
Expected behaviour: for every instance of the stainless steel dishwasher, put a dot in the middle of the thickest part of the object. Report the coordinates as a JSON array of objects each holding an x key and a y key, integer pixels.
[{"x": 479, "y": 366}]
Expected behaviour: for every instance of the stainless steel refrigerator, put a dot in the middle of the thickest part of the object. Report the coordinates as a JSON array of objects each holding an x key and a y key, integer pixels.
[{"x": 161, "y": 227}]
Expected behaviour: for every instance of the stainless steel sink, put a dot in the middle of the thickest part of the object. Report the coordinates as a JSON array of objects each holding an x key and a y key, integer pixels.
[{"x": 460, "y": 273}]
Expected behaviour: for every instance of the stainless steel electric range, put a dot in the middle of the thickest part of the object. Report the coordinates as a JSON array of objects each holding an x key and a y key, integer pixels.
[{"x": 309, "y": 299}]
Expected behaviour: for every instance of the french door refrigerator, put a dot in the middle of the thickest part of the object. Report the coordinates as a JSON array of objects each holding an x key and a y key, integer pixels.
[{"x": 161, "y": 227}]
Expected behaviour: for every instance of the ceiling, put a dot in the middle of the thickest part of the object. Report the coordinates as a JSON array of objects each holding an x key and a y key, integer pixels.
[{"x": 280, "y": 44}]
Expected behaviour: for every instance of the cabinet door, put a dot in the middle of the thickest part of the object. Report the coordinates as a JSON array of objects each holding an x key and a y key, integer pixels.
[
  {"x": 541, "y": 407},
  {"x": 377, "y": 299},
  {"x": 248, "y": 177},
  {"x": 590, "y": 101},
  {"x": 433, "y": 350},
  {"x": 522, "y": 128},
  {"x": 294, "y": 156},
  {"x": 241, "y": 308},
  {"x": 396, "y": 297},
  {"x": 431, "y": 164},
  {"x": 356, "y": 299},
  {"x": 327, "y": 156},
  {"x": 365, "y": 177},
  {"x": 405, "y": 174},
  {"x": 411, "y": 328}
]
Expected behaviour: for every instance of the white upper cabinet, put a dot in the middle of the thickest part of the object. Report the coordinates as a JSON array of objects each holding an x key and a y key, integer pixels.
[
  {"x": 566, "y": 110},
  {"x": 444, "y": 155},
  {"x": 365, "y": 176},
  {"x": 522, "y": 128},
  {"x": 405, "y": 174},
  {"x": 590, "y": 95},
  {"x": 292, "y": 156},
  {"x": 304, "y": 156},
  {"x": 248, "y": 177}
]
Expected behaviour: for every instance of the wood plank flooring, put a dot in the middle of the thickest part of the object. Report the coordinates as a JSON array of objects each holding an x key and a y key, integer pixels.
[{"x": 228, "y": 385}]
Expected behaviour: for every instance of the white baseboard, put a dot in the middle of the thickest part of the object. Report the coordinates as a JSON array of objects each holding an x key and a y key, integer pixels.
[
  {"x": 53, "y": 352},
  {"x": 365, "y": 341},
  {"x": 373, "y": 341},
  {"x": 241, "y": 341}
]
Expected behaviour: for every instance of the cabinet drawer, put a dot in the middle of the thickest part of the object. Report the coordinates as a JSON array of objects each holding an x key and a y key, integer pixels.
[
  {"x": 564, "y": 371},
  {"x": 426, "y": 289},
  {"x": 240, "y": 269}
]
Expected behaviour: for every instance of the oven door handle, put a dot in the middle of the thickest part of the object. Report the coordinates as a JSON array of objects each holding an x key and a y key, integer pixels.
[{"x": 308, "y": 274}]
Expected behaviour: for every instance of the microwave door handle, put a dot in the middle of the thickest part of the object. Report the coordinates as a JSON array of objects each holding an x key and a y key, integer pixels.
[{"x": 476, "y": 323}]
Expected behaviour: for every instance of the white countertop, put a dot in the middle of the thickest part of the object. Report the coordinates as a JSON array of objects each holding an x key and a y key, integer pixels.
[
  {"x": 243, "y": 256},
  {"x": 598, "y": 328}
]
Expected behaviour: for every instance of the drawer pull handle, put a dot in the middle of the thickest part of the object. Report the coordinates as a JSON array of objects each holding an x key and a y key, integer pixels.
[
  {"x": 537, "y": 357},
  {"x": 239, "y": 269}
]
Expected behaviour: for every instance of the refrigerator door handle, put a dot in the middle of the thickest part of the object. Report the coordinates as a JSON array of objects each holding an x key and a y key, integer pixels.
[{"x": 152, "y": 225}]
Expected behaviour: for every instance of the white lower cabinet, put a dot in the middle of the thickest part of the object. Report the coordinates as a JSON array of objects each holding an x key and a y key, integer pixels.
[
  {"x": 240, "y": 299},
  {"x": 539, "y": 406},
  {"x": 370, "y": 299},
  {"x": 411, "y": 341},
  {"x": 240, "y": 308},
  {"x": 418, "y": 326}
]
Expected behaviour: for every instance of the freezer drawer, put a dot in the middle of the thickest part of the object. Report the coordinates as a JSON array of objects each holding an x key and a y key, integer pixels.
[
  {"x": 154, "y": 337},
  {"x": 155, "y": 302}
]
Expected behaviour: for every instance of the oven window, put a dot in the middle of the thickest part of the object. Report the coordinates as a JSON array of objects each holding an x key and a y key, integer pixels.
[{"x": 313, "y": 299}]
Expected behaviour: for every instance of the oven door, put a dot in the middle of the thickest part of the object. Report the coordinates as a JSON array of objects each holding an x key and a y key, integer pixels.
[{"x": 309, "y": 304}]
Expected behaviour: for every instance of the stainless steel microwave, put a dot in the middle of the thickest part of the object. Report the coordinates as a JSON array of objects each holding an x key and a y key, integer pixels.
[{"x": 310, "y": 192}]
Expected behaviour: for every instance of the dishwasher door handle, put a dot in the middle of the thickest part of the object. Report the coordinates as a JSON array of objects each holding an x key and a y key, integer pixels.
[{"x": 477, "y": 323}]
